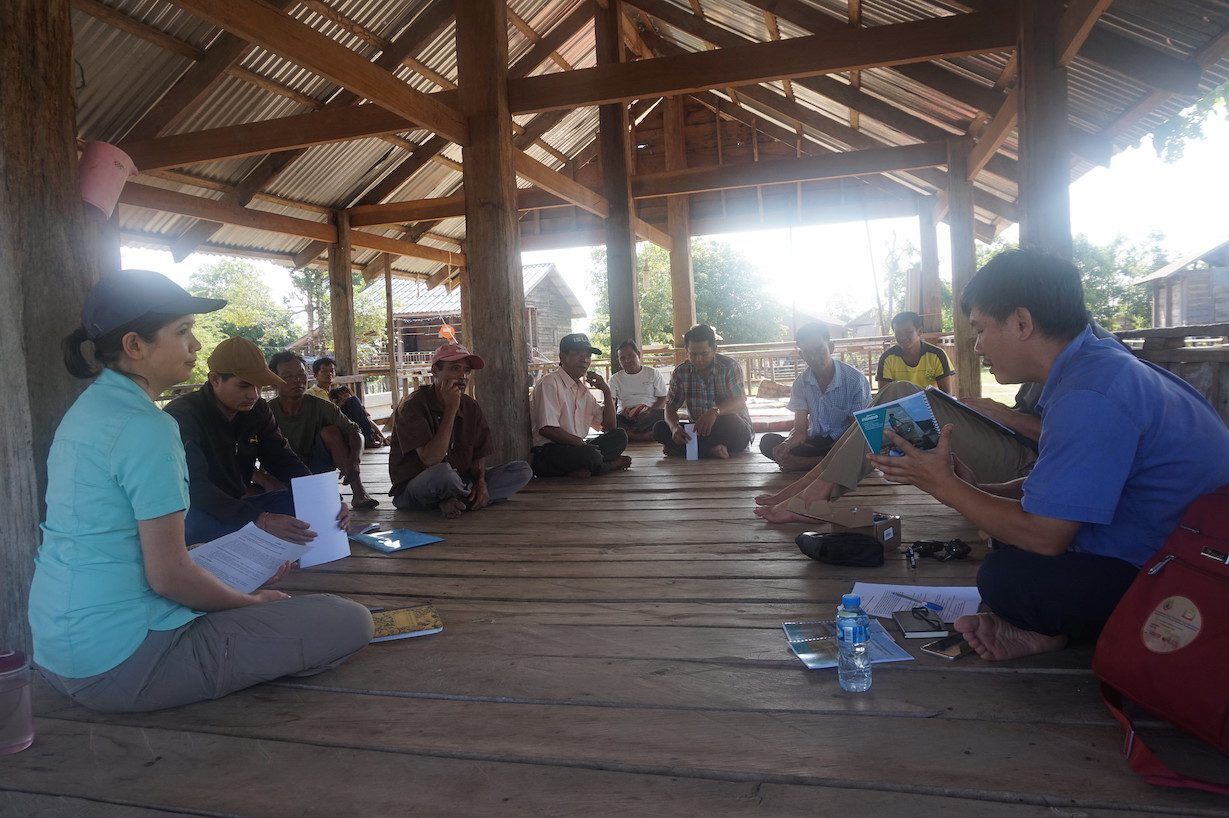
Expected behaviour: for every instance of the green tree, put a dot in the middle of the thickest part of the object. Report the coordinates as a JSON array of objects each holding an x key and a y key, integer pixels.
[
  {"x": 311, "y": 300},
  {"x": 1171, "y": 136},
  {"x": 731, "y": 295},
  {"x": 250, "y": 310}
]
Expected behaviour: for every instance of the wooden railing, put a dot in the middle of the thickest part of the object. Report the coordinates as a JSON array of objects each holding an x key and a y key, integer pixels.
[{"x": 1197, "y": 354}]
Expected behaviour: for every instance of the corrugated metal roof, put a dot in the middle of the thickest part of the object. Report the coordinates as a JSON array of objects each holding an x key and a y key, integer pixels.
[
  {"x": 414, "y": 298},
  {"x": 124, "y": 75}
]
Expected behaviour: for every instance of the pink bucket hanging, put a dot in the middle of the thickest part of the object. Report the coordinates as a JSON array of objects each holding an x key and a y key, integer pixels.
[{"x": 103, "y": 169}]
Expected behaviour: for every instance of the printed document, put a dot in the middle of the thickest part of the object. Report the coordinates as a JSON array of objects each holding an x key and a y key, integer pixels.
[
  {"x": 317, "y": 502},
  {"x": 246, "y": 559},
  {"x": 815, "y": 644},
  {"x": 882, "y": 600}
]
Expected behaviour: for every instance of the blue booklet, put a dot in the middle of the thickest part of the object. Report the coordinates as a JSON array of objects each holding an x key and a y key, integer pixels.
[
  {"x": 910, "y": 417},
  {"x": 815, "y": 643},
  {"x": 399, "y": 539}
]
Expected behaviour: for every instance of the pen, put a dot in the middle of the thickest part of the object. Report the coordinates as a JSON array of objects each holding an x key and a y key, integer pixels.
[{"x": 931, "y": 605}]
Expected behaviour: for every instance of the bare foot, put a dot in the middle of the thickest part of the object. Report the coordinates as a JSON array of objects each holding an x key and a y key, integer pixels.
[
  {"x": 996, "y": 639},
  {"x": 580, "y": 474},
  {"x": 720, "y": 451},
  {"x": 624, "y": 462},
  {"x": 769, "y": 499},
  {"x": 452, "y": 508},
  {"x": 779, "y": 514},
  {"x": 822, "y": 489}
]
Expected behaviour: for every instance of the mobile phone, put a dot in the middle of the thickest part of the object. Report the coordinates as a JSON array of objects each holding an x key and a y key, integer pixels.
[{"x": 949, "y": 647}]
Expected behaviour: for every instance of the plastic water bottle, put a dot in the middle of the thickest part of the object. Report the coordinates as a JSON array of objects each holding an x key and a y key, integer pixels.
[{"x": 853, "y": 662}]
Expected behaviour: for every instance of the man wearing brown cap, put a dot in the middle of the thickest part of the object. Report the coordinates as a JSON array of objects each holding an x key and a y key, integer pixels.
[
  {"x": 226, "y": 427},
  {"x": 440, "y": 439}
]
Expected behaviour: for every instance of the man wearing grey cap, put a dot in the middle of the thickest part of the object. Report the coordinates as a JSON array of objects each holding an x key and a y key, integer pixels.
[{"x": 564, "y": 410}]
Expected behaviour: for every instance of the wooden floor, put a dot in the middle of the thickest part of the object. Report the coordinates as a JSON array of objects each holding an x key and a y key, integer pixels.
[{"x": 611, "y": 646}]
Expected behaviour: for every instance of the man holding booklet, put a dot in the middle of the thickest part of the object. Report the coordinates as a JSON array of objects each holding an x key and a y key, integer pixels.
[{"x": 1125, "y": 447}]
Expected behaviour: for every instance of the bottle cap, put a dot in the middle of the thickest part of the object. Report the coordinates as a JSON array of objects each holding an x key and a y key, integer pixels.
[{"x": 851, "y": 601}]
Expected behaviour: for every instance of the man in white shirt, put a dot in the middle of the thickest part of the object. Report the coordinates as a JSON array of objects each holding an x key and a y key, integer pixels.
[
  {"x": 640, "y": 392},
  {"x": 564, "y": 410}
]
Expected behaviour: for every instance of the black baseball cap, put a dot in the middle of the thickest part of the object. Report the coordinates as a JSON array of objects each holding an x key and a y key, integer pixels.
[
  {"x": 123, "y": 296},
  {"x": 575, "y": 341}
]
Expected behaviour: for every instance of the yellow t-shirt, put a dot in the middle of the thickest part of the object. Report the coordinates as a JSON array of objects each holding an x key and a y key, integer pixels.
[
  {"x": 932, "y": 366},
  {"x": 318, "y": 392}
]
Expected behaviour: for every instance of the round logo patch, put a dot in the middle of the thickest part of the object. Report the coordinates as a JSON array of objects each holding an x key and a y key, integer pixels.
[{"x": 1172, "y": 625}]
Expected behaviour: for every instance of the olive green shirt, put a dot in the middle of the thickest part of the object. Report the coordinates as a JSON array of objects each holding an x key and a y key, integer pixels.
[{"x": 302, "y": 430}]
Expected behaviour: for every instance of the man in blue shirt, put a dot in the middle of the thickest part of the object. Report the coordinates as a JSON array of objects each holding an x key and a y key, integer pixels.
[
  {"x": 1125, "y": 447},
  {"x": 823, "y": 400}
]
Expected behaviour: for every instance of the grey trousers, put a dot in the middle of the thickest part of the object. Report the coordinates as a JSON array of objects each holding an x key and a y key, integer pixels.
[
  {"x": 441, "y": 482},
  {"x": 225, "y": 651}
]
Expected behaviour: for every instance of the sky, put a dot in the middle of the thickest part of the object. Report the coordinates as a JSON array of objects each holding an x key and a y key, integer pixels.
[{"x": 827, "y": 268}]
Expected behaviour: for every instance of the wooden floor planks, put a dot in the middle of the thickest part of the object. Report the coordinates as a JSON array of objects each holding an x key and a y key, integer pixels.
[{"x": 610, "y": 646}]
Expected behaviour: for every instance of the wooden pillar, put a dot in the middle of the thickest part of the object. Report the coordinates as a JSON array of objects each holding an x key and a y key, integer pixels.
[
  {"x": 930, "y": 294},
  {"x": 621, "y": 284},
  {"x": 1045, "y": 160},
  {"x": 495, "y": 327},
  {"x": 46, "y": 268},
  {"x": 964, "y": 263},
  {"x": 341, "y": 298},
  {"x": 103, "y": 238},
  {"x": 390, "y": 343},
  {"x": 678, "y": 225}
]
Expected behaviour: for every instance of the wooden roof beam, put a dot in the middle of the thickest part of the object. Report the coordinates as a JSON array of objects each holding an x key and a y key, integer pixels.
[
  {"x": 782, "y": 171},
  {"x": 170, "y": 201},
  {"x": 919, "y": 41},
  {"x": 263, "y": 25},
  {"x": 443, "y": 207}
]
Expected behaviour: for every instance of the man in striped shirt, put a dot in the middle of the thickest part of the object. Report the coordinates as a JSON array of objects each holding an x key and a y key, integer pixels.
[{"x": 823, "y": 400}]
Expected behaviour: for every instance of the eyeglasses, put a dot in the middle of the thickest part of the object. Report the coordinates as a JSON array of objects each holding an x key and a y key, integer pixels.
[{"x": 928, "y": 616}]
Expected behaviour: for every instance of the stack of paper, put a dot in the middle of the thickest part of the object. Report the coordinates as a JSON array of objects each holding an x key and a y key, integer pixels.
[
  {"x": 884, "y": 600},
  {"x": 246, "y": 559}
]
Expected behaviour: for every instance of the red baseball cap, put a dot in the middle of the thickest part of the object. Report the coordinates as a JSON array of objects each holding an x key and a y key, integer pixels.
[{"x": 456, "y": 352}]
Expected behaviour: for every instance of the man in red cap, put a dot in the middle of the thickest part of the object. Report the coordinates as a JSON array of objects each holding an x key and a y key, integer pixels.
[{"x": 440, "y": 438}]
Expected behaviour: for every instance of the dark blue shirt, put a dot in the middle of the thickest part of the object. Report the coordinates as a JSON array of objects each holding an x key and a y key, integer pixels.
[{"x": 1125, "y": 447}]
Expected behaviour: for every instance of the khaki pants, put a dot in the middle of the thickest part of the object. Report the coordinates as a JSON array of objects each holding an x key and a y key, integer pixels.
[
  {"x": 225, "y": 651},
  {"x": 993, "y": 456}
]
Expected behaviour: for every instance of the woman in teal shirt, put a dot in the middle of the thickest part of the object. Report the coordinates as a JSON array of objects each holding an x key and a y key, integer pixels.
[{"x": 122, "y": 619}]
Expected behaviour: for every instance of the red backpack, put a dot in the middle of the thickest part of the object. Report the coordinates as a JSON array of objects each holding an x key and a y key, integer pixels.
[{"x": 1166, "y": 645}]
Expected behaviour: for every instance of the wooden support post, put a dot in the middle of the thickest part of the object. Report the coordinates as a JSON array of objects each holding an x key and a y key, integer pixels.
[
  {"x": 341, "y": 299},
  {"x": 1045, "y": 161},
  {"x": 103, "y": 239},
  {"x": 621, "y": 284},
  {"x": 678, "y": 225},
  {"x": 495, "y": 328},
  {"x": 390, "y": 342},
  {"x": 46, "y": 270},
  {"x": 964, "y": 264},
  {"x": 930, "y": 294}
]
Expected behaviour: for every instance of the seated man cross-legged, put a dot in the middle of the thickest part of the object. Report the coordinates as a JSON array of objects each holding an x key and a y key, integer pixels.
[
  {"x": 640, "y": 392},
  {"x": 823, "y": 400},
  {"x": 711, "y": 386},
  {"x": 440, "y": 438},
  {"x": 1125, "y": 446},
  {"x": 226, "y": 427},
  {"x": 563, "y": 410},
  {"x": 319, "y": 433}
]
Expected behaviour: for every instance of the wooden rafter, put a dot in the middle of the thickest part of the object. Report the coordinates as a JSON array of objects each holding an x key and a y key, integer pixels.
[
  {"x": 919, "y": 41},
  {"x": 263, "y": 25}
]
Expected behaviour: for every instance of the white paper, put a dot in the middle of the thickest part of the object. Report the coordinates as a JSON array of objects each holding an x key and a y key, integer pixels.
[
  {"x": 882, "y": 601},
  {"x": 693, "y": 441},
  {"x": 317, "y": 502},
  {"x": 246, "y": 559}
]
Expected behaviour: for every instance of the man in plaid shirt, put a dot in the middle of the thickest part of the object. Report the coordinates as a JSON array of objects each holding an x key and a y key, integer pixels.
[{"x": 711, "y": 386}]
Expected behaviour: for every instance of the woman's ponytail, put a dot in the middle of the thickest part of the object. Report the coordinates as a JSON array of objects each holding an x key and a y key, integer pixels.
[{"x": 74, "y": 359}]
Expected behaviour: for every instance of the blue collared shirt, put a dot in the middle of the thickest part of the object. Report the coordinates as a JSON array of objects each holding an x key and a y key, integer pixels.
[
  {"x": 830, "y": 409},
  {"x": 1125, "y": 447},
  {"x": 116, "y": 459}
]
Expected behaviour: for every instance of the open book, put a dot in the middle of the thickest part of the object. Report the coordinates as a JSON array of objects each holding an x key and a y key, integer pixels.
[{"x": 910, "y": 418}]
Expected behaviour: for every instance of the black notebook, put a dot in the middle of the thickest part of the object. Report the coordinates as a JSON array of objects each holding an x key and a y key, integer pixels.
[{"x": 917, "y": 627}]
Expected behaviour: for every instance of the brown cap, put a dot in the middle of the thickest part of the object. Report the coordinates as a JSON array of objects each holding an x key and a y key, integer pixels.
[{"x": 239, "y": 356}]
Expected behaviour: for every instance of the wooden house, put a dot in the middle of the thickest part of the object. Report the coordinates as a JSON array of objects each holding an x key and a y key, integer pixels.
[{"x": 1192, "y": 291}]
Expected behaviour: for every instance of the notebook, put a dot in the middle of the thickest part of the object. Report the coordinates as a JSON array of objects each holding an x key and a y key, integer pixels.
[
  {"x": 404, "y": 623},
  {"x": 399, "y": 539},
  {"x": 914, "y": 627}
]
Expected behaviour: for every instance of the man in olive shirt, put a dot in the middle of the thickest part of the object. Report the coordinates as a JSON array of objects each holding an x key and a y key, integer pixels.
[
  {"x": 319, "y": 433},
  {"x": 440, "y": 439},
  {"x": 225, "y": 427}
]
